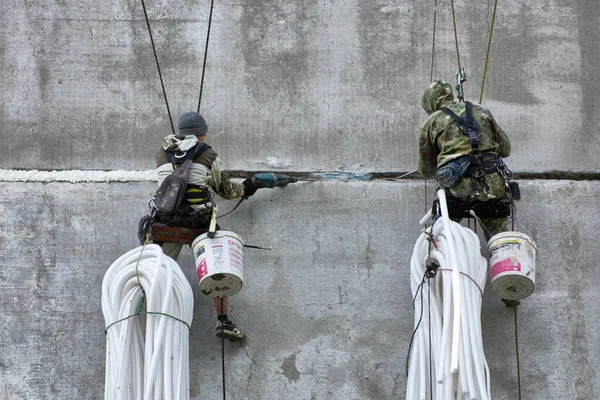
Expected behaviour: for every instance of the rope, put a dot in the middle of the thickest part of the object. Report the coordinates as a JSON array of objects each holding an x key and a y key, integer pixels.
[
  {"x": 158, "y": 66},
  {"x": 517, "y": 352},
  {"x": 223, "y": 356},
  {"x": 205, "y": 53},
  {"x": 146, "y": 357},
  {"x": 433, "y": 41},
  {"x": 462, "y": 93},
  {"x": 430, "y": 352},
  {"x": 410, "y": 344},
  {"x": 487, "y": 53}
]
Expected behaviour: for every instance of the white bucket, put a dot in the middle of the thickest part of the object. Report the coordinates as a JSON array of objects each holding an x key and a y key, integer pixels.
[
  {"x": 219, "y": 263},
  {"x": 512, "y": 264}
]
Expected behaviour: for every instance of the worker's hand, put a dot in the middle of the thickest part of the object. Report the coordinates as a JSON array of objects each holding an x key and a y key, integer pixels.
[{"x": 249, "y": 188}]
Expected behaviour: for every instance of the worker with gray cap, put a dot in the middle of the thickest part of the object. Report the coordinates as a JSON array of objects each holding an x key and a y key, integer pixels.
[{"x": 204, "y": 174}]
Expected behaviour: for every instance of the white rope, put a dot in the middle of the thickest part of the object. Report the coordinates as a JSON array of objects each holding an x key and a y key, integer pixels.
[
  {"x": 147, "y": 356},
  {"x": 459, "y": 369}
]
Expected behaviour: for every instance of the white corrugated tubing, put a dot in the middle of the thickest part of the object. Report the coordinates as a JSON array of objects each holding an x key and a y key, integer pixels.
[
  {"x": 458, "y": 368},
  {"x": 147, "y": 356}
]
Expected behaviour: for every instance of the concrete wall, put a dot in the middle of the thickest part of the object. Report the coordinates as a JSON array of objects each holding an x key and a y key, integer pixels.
[{"x": 315, "y": 86}]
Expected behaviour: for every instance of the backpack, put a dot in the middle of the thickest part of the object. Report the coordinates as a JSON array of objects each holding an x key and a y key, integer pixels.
[{"x": 172, "y": 190}]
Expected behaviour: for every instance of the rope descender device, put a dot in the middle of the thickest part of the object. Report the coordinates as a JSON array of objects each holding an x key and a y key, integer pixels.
[{"x": 461, "y": 76}]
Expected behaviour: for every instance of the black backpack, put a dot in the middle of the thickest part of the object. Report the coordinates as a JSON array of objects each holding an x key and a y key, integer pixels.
[{"x": 172, "y": 190}]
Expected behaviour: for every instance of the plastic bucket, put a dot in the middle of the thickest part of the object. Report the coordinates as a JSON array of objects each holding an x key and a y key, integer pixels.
[
  {"x": 219, "y": 263},
  {"x": 512, "y": 264}
]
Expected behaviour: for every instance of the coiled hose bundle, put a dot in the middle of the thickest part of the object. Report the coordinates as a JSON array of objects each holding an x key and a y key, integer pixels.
[
  {"x": 148, "y": 308},
  {"x": 447, "y": 359}
]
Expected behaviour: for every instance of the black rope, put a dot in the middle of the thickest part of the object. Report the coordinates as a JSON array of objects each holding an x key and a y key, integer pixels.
[
  {"x": 429, "y": 323},
  {"x": 205, "y": 53},
  {"x": 223, "y": 351},
  {"x": 234, "y": 208},
  {"x": 158, "y": 67},
  {"x": 517, "y": 352},
  {"x": 412, "y": 338}
]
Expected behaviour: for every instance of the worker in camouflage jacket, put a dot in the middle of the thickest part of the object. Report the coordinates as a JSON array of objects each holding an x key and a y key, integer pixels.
[
  {"x": 445, "y": 152},
  {"x": 204, "y": 174}
]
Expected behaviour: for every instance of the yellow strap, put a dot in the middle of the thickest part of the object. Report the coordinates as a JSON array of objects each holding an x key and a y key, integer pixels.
[{"x": 487, "y": 53}]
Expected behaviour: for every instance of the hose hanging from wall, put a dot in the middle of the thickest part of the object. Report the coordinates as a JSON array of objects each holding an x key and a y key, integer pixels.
[
  {"x": 447, "y": 359},
  {"x": 148, "y": 308}
]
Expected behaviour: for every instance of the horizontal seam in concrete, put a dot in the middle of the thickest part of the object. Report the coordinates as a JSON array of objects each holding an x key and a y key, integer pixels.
[{"x": 81, "y": 176}]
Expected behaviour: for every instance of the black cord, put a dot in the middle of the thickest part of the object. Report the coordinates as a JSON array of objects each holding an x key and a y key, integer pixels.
[
  {"x": 158, "y": 67},
  {"x": 412, "y": 338},
  {"x": 429, "y": 323},
  {"x": 223, "y": 352},
  {"x": 205, "y": 53},
  {"x": 234, "y": 208}
]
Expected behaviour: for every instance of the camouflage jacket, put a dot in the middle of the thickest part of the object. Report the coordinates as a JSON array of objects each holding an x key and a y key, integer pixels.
[{"x": 441, "y": 140}]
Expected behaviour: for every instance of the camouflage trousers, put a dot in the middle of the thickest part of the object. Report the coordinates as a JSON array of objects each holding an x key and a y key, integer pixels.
[{"x": 491, "y": 189}]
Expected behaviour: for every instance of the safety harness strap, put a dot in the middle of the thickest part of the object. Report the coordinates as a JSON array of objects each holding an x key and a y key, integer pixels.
[
  {"x": 179, "y": 158},
  {"x": 467, "y": 125}
]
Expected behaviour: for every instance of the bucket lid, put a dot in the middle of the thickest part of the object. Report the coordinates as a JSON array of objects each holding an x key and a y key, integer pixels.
[
  {"x": 512, "y": 286},
  {"x": 509, "y": 235}
]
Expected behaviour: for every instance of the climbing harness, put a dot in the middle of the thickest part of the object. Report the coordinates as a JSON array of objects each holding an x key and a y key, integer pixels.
[{"x": 467, "y": 125}]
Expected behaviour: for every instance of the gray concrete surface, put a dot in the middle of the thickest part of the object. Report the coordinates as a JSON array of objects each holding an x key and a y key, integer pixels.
[
  {"x": 316, "y": 86},
  {"x": 328, "y": 311},
  {"x": 290, "y": 79}
]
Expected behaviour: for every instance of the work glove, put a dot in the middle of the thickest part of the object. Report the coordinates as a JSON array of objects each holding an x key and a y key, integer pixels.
[{"x": 249, "y": 188}]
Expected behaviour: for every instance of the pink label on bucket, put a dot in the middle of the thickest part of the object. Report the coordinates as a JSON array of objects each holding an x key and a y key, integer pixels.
[
  {"x": 202, "y": 270},
  {"x": 505, "y": 265}
]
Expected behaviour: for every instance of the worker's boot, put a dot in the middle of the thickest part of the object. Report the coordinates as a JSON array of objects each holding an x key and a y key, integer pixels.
[{"x": 227, "y": 330}]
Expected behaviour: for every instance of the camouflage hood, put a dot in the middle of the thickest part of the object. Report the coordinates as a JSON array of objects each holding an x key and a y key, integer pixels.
[{"x": 437, "y": 95}]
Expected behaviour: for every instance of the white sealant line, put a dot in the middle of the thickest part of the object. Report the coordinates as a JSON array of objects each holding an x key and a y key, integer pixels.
[{"x": 76, "y": 176}]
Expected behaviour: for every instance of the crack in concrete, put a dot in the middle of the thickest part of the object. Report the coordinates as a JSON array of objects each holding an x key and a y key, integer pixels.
[
  {"x": 251, "y": 370},
  {"x": 106, "y": 176}
]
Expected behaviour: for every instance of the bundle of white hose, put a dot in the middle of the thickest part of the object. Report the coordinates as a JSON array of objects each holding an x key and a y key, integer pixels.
[
  {"x": 148, "y": 308},
  {"x": 447, "y": 360}
]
